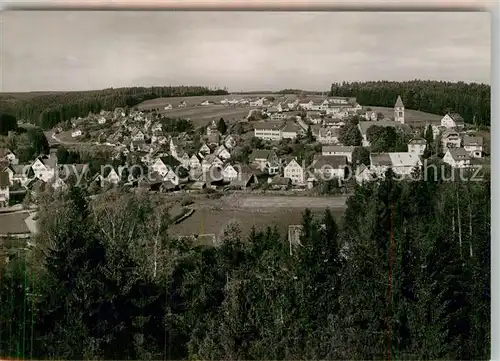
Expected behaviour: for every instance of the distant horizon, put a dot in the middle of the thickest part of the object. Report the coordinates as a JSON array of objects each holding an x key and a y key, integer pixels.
[{"x": 240, "y": 91}]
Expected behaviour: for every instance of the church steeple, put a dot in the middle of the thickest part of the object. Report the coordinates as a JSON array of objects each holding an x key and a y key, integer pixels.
[{"x": 399, "y": 111}]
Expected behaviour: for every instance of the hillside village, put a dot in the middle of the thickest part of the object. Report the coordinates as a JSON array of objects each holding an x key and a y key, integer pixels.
[{"x": 176, "y": 161}]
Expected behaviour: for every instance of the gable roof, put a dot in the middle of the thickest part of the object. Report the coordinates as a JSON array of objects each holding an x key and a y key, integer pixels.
[
  {"x": 404, "y": 159},
  {"x": 274, "y": 125},
  {"x": 291, "y": 127},
  {"x": 170, "y": 161},
  {"x": 334, "y": 161},
  {"x": 380, "y": 159},
  {"x": 417, "y": 141},
  {"x": 260, "y": 154},
  {"x": 458, "y": 154},
  {"x": 470, "y": 141},
  {"x": 457, "y": 118}
]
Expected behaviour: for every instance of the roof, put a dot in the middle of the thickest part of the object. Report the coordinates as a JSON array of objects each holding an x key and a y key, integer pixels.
[
  {"x": 281, "y": 181},
  {"x": 457, "y": 118},
  {"x": 14, "y": 223},
  {"x": 459, "y": 154},
  {"x": 274, "y": 125},
  {"x": 49, "y": 161},
  {"x": 404, "y": 159},
  {"x": 291, "y": 127},
  {"x": 399, "y": 102},
  {"x": 169, "y": 160},
  {"x": 417, "y": 141},
  {"x": 243, "y": 179},
  {"x": 214, "y": 137},
  {"x": 260, "y": 154},
  {"x": 469, "y": 141},
  {"x": 334, "y": 161},
  {"x": 337, "y": 148},
  {"x": 380, "y": 160}
]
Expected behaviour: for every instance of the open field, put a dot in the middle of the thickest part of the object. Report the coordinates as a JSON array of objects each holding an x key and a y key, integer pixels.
[
  {"x": 412, "y": 117},
  {"x": 211, "y": 216},
  {"x": 202, "y": 115},
  {"x": 192, "y": 101}
]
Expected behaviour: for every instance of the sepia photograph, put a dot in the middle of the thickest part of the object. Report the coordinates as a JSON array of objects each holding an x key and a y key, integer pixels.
[{"x": 245, "y": 185}]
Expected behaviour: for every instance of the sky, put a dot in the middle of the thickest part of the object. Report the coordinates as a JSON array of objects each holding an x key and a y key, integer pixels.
[{"x": 83, "y": 50}]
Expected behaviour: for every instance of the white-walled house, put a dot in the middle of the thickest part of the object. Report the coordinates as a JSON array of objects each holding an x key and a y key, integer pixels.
[
  {"x": 101, "y": 120},
  {"x": 328, "y": 135},
  {"x": 205, "y": 149},
  {"x": 401, "y": 163},
  {"x": 76, "y": 133},
  {"x": 44, "y": 168},
  {"x": 473, "y": 146},
  {"x": 341, "y": 150},
  {"x": 452, "y": 120},
  {"x": 295, "y": 172},
  {"x": 450, "y": 139},
  {"x": 417, "y": 146},
  {"x": 160, "y": 167},
  {"x": 137, "y": 135},
  {"x": 457, "y": 158},
  {"x": 222, "y": 153},
  {"x": 404, "y": 163},
  {"x": 195, "y": 161},
  {"x": 328, "y": 167},
  {"x": 229, "y": 173}
]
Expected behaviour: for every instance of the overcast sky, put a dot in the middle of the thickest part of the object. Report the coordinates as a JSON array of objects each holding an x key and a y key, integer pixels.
[{"x": 240, "y": 50}]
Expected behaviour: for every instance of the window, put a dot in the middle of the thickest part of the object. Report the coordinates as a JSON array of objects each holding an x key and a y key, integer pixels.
[{"x": 400, "y": 114}]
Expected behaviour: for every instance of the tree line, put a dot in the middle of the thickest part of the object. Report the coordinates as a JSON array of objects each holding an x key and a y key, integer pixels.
[
  {"x": 471, "y": 101},
  {"x": 406, "y": 272},
  {"x": 47, "y": 110}
]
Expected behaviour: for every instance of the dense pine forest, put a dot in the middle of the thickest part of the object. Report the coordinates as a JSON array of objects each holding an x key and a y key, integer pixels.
[
  {"x": 46, "y": 109},
  {"x": 405, "y": 274},
  {"x": 471, "y": 101}
]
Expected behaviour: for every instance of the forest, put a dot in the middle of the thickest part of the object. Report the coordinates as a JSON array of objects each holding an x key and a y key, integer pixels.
[
  {"x": 471, "y": 101},
  {"x": 47, "y": 110},
  {"x": 405, "y": 274}
]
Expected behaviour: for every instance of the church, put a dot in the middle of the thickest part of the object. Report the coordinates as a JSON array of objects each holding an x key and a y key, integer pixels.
[{"x": 399, "y": 111}]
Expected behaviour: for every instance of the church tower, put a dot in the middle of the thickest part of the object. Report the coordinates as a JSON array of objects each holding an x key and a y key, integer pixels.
[{"x": 399, "y": 111}]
